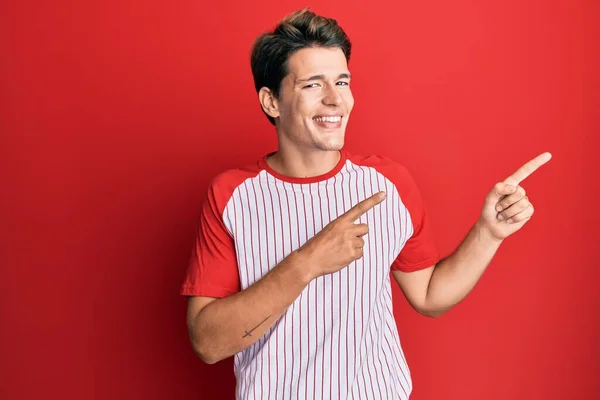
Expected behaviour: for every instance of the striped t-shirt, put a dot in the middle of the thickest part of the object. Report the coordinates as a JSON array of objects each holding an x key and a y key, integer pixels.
[{"x": 338, "y": 339}]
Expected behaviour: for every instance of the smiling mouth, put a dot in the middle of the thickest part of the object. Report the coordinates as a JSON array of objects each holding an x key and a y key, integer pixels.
[{"x": 332, "y": 119}]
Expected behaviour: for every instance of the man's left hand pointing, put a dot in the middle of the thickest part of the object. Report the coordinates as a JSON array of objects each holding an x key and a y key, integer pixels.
[{"x": 507, "y": 207}]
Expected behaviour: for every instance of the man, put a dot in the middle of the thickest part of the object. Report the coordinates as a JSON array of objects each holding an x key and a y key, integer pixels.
[{"x": 291, "y": 268}]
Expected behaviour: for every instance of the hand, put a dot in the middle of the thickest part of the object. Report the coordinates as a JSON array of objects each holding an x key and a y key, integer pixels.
[
  {"x": 340, "y": 242},
  {"x": 507, "y": 207}
]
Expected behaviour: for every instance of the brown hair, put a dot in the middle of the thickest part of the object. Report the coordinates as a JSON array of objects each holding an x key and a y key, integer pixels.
[{"x": 303, "y": 28}]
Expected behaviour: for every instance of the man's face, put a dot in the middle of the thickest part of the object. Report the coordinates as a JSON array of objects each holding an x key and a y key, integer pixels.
[{"x": 315, "y": 99}]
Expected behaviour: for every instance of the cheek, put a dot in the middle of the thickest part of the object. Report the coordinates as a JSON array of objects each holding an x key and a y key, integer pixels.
[
  {"x": 306, "y": 106},
  {"x": 286, "y": 110},
  {"x": 349, "y": 100}
]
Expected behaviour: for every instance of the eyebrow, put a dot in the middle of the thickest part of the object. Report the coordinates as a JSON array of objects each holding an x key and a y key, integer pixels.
[{"x": 322, "y": 77}]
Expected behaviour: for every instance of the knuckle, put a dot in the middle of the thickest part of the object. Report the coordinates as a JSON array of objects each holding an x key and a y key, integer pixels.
[{"x": 521, "y": 191}]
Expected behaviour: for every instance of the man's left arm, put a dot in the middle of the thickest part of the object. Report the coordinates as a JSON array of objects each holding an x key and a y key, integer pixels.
[{"x": 434, "y": 290}]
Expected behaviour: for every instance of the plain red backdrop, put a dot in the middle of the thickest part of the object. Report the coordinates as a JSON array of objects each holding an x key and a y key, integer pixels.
[{"x": 115, "y": 115}]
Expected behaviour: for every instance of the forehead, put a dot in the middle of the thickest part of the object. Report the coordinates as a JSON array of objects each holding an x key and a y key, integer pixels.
[{"x": 317, "y": 61}]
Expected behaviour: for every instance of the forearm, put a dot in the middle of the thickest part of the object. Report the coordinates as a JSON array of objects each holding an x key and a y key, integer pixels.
[
  {"x": 229, "y": 325},
  {"x": 455, "y": 276}
]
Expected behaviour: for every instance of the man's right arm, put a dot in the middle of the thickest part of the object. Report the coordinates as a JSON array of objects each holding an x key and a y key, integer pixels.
[{"x": 219, "y": 328}]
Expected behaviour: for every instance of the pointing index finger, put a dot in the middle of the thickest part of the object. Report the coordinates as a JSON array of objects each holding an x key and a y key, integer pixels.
[
  {"x": 362, "y": 207},
  {"x": 528, "y": 169}
]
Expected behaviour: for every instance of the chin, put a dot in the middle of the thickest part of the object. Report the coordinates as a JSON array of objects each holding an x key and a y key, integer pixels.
[
  {"x": 331, "y": 145},
  {"x": 328, "y": 140}
]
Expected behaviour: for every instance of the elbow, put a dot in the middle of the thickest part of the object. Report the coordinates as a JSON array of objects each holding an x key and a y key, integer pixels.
[
  {"x": 205, "y": 356},
  {"x": 208, "y": 359},
  {"x": 432, "y": 312},
  {"x": 205, "y": 353},
  {"x": 203, "y": 346}
]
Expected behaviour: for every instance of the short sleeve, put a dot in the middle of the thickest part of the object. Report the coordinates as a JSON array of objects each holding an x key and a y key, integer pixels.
[
  {"x": 212, "y": 270},
  {"x": 420, "y": 250}
]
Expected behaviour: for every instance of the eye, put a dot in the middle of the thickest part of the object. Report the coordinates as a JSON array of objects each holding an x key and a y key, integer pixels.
[
  {"x": 310, "y": 85},
  {"x": 343, "y": 83}
]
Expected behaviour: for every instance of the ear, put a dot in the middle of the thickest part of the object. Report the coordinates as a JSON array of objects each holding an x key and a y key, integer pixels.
[{"x": 268, "y": 102}]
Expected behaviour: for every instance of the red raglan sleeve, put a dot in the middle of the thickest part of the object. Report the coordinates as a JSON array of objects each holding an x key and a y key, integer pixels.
[
  {"x": 420, "y": 250},
  {"x": 212, "y": 270}
]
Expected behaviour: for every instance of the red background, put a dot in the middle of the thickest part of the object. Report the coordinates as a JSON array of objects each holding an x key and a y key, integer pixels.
[{"x": 115, "y": 115}]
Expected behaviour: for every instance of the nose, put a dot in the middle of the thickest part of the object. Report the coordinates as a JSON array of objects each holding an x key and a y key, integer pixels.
[{"x": 332, "y": 96}]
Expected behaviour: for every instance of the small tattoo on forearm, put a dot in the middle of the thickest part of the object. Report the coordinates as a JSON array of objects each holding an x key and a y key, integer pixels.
[{"x": 249, "y": 333}]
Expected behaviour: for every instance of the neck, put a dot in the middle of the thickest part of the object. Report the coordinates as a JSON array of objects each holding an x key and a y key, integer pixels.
[{"x": 295, "y": 163}]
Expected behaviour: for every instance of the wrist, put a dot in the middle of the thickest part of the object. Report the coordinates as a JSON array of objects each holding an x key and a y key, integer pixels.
[
  {"x": 300, "y": 262},
  {"x": 485, "y": 235}
]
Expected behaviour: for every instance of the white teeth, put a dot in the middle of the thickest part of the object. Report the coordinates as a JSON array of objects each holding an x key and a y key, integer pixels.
[{"x": 328, "y": 119}]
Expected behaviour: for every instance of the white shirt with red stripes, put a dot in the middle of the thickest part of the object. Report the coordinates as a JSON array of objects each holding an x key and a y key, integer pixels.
[{"x": 338, "y": 339}]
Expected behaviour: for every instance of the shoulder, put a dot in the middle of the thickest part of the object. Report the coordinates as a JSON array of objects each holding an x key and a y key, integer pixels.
[
  {"x": 404, "y": 187},
  {"x": 224, "y": 184},
  {"x": 391, "y": 169}
]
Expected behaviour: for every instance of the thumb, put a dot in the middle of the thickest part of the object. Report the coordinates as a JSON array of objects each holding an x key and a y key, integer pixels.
[{"x": 500, "y": 190}]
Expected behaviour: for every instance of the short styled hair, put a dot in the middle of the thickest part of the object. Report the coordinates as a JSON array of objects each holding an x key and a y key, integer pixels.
[{"x": 272, "y": 50}]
